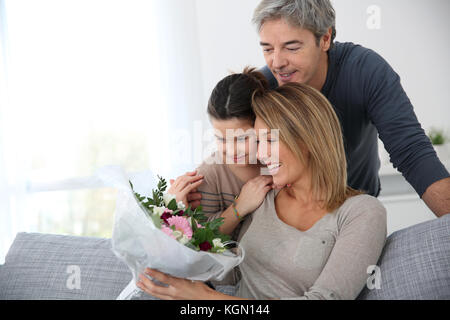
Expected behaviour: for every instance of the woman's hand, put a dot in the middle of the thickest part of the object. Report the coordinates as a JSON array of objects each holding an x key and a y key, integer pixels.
[
  {"x": 184, "y": 185},
  {"x": 177, "y": 289},
  {"x": 252, "y": 194}
]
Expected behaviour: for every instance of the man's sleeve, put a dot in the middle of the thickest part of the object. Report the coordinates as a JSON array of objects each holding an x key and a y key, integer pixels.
[
  {"x": 391, "y": 111},
  {"x": 269, "y": 76}
]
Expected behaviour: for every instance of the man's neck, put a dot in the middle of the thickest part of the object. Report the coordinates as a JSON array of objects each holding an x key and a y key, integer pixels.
[{"x": 321, "y": 75}]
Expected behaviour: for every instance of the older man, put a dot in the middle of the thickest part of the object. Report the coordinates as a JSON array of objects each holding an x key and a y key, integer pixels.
[
  {"x": 296, "y": 37},
  {"x": 297, "y": 40}
]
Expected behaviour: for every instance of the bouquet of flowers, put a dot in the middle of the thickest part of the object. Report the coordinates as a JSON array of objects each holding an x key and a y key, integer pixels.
[
  {"x": 187, "y": 226},
  {"x": 159, "y": 233}
]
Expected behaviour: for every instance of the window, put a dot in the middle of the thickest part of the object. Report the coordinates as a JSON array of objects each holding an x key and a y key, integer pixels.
[{"x": 86, "y": 86}]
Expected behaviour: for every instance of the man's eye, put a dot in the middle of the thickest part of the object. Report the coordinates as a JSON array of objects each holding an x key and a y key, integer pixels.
[
  {"x": 293, "y": 49},
  {"x": 267, "y": 49}
]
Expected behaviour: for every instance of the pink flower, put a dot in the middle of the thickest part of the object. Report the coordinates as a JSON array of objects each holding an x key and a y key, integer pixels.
[
  {"x": 181, "y": 224},
  {"x": 200, "y": 226}
]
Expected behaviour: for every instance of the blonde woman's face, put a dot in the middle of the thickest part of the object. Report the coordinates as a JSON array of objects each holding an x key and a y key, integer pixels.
[
  {"x": 236, "y": 141},
  {"x": 281, "y": 162}
]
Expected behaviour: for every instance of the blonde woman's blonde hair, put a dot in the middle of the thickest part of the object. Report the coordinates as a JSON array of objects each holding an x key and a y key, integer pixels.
[{"x": 305, "y": 119}]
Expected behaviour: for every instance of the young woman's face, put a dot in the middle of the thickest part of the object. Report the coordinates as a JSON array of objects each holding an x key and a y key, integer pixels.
[
  {"x": 236, "y": 140},
  {"x": 281, "y": 162}
]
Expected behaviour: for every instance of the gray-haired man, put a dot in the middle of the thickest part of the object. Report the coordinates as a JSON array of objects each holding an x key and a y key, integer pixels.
[{"x": 297, "y": 40}]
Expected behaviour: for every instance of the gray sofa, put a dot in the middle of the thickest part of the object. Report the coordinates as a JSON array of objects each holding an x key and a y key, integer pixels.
[{"x": 415, "y": 264}]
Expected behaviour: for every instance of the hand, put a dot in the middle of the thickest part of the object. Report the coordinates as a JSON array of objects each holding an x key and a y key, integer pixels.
[
  {"x": 194, "y": 198},
  {"x": 177, "y": 289},
  {"x": 252, "y": 194},
  {"x": 185, "y": 187}
]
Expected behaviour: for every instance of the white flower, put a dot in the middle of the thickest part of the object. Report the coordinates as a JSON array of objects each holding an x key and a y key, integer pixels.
[
  {"x": 158, "y": 210},
  {"x": 167, "y": 197},
  {"x": 217, "y": 242},
  {"x": 184, "y": 239},
  {"x": 177, "y": 234},
  {"x": 181, "y": 205}
]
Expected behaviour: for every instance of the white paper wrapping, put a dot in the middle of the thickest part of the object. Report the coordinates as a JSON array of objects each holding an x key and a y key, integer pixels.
[{"x": 137, "y": 242}]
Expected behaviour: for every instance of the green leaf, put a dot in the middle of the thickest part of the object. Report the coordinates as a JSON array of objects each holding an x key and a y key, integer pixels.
[
  {"x": 199, "y": 236},
  {"x": 216, "y": 223},
  {"x": 156, "y": 220},
  {"x": 172, "y": 205},
  {"x": 194, "y": 225}
]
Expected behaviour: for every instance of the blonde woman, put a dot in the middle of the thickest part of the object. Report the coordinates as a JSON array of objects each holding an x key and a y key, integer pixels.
[{"x": 312, "y": 240}]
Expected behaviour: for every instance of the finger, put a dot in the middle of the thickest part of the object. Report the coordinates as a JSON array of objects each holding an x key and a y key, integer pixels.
[
  {"x": 191, "y": 186},
  {"x": 171, "y": 181},
  {"x": 177, "y": 181},
  {"x": 191, "y": 173},
  {"x": 266, "y": 179},
  {"x": 160, "y": 276},
  {"x": 184, "y": 179},
  {"x": 194, "y": 204},
  {"x": 187, "y": 181},
  {"x": 194, "y": 196},
  {"x": 153, "y": 289}
]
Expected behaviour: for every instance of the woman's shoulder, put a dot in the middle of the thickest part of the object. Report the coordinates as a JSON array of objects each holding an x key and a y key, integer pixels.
[
  {"x": 361, "y": 207},
  {"x": 217, "y": 176},
  {"x": 362, "y": 199},
  {"x": 210, "y": 167}
]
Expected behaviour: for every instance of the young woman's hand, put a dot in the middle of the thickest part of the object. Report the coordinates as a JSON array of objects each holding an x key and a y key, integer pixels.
[
  {"x": 252, "y": 194},
  {"x": 185, "y": 186}
]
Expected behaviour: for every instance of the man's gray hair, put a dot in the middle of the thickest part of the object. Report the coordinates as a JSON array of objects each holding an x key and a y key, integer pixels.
[{"x": 316, "y": 16}]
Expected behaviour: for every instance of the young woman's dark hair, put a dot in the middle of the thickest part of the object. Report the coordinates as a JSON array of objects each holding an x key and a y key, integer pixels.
[{"x": 231, "y": 98}]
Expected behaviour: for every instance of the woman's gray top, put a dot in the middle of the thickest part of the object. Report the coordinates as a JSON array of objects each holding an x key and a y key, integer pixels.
[{"x": 328, "y": 261}]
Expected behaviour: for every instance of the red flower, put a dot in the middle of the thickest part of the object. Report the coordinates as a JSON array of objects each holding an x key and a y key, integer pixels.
[
  {"x": 166, "y": 215},
  {"x": 205, "y": 246},
  {"x": 181, "y": 212}
]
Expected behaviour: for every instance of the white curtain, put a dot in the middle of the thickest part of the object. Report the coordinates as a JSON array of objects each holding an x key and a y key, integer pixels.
[{"x": 85, "y": 84}]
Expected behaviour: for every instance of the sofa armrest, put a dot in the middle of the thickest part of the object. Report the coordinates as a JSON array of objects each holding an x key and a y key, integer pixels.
[
  {"x": 415, "y": 264},
  {"x": 44, "y": 266}
]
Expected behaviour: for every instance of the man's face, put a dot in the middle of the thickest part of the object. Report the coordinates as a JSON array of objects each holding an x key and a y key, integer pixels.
[{"x": 290, "y": 52}]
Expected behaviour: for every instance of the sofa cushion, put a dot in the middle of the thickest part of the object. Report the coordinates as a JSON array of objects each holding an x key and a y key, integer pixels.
[
  {"x": 43, "y": 266},
  {"x": 415, "y": 264}
]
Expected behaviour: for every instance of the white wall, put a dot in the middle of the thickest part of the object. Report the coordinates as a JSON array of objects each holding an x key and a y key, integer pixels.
[
  {"x": 228, "y": 40},
  {"x": 413, "y": 39}
]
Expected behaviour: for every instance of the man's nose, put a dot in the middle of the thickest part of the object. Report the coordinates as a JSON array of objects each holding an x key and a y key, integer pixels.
[{"x": 279, "y": 60}]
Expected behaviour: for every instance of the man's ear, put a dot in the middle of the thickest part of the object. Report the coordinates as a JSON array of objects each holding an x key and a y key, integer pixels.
[{"x": 325, "y": 41}]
